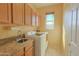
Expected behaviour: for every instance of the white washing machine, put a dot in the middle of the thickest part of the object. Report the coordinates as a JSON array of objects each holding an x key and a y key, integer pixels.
[{"x": 40, "y": 44}]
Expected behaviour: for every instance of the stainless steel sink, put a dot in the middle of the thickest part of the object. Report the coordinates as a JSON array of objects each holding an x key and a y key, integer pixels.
[{"x": 22, "y": 40}]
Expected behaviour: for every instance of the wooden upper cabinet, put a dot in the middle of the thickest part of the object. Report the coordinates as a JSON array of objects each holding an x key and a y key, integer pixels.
[
  {"x": 18, "y": 13},
  {"x": 5, "y": 13},
  {"x": 28, "y": 15}
]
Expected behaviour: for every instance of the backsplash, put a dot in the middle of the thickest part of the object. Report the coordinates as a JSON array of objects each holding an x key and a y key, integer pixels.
[{"x": 9, "y": 31}]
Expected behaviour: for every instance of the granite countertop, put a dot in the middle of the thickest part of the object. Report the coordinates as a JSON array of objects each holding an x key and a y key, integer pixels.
[
  {"x": 7, "y": 34},
  {"x": 13, "y": 47}
]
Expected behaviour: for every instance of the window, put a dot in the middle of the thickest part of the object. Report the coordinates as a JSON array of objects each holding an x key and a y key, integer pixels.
[
  {"x": 50, "y": 21},
  {"x": 33, "y": 20},
  {"x": 36, "y": 20}
]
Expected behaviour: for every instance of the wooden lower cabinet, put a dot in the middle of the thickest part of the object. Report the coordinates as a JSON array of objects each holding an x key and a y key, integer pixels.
[
  {"x": 29, "y": 52},
  {"x": 23, "y": 52},
  {"x": 20, "y": 52}
]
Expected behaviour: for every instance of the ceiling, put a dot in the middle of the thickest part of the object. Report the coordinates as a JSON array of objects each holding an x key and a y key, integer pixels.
[{"x": 37, "y": 5}]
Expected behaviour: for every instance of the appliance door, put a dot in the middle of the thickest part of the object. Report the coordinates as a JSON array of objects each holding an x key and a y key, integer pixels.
[
  {"x": 43, "y": 44},
  {"x": 40, "y": 45}
]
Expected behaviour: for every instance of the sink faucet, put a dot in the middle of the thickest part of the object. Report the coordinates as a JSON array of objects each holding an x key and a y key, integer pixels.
[{"x": 19, "y": 35}]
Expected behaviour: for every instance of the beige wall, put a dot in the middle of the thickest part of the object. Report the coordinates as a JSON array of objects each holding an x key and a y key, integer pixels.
[{"x": 54, "y": 36}]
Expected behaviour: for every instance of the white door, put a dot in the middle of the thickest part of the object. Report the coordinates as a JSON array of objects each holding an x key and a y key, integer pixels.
[
  {"x": 71, "y": 22},
  {"x": 78, "y": 26},
  {"x": 73, "y": 42},
  {"x": 68, "y": 25}
]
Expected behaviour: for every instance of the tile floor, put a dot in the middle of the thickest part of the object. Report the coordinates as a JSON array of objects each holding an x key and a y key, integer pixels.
[{"x": 53, "y": 52}]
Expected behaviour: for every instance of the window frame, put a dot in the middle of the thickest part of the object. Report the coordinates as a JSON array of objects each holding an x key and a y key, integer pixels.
[{"x": 53, "y": 22}]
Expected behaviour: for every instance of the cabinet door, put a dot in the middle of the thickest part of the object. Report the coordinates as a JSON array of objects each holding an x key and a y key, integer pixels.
[
  {"x": 20, "y": 52},
  {"x": 28, "y": 15},
  {"x": 18, "y": 14},
  {"x": 5, "y": 13},
  {"x": 30, "y": 52}
]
